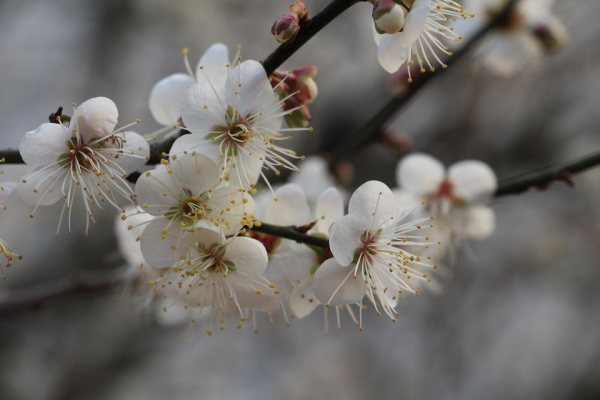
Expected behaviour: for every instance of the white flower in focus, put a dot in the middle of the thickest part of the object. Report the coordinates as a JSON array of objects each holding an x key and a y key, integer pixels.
[
  {"x": 85, "y": 162},
  {"x": 6, "y": 189},
  {"x": 457, "y": 198},
  {"x": 186, "y": 193},
  {"x": 237, "y": 122},
  {"x": 371, "y": 253},
  {"x": 422, "y": 37},
  {"x": 224, "y": 278},
  {"x": 167, "y": 95},
  {"x": 520, "y": 41}
]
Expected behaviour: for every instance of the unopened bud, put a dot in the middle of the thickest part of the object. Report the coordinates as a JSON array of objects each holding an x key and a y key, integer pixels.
[
  {"x": 299, "y": 118},
  {"x": 301, "y": 80},
  {"x": 389, "y": 16},
  {"x": 286, "y": 27},
  {"x": 299, "y": 8},
  {"x": 552, "y": 34}
]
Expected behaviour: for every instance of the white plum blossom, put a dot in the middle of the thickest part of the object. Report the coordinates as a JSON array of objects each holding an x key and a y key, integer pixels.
[
  {"x": 86, "y": 161},
  {"x": 167, "y": 95},
  {"x": 237, "y": 121},
  {"x": 187, "y": 194},
  {"x": 372, "y": 253},
  {"x": 6, "y": 189},
  {"x": 426, "y": 27},
  {"x": 457, "y": 198},
  {"x": 222, "y": 279},
  {"x": 520, "y": 41}
]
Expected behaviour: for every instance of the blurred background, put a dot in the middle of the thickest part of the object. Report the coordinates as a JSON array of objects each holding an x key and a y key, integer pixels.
[{"x": 518, "y": 319}]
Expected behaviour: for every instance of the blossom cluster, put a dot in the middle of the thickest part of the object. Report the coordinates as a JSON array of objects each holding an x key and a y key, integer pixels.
[{"x": 194, "y": 226}]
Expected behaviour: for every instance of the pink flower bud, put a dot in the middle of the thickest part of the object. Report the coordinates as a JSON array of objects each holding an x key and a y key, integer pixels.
[
  {"x": 286, "y": 27},
  {"x": 302, "y": 81},
  {"x": 389, "y": 16}
]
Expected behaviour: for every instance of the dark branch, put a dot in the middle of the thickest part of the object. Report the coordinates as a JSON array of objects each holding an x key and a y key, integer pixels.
[
  {"x": 307, "y": 31},
  {"x": 292, "y": 233},
  {"x": 373, "y": 128},
  {"x": 542, "y": 179}
]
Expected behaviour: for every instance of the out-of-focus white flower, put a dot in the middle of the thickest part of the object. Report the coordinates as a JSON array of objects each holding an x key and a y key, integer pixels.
[
  {"x": 6, "y": 189},
  {"x": 167, "y": 95},
  {"x": 370, "y": 248},
  {"x": 421, "y": 39},
  {"x": 456, "y": 198},
  {"x": 520, "y": 41},
  {"x": 314, "y": 177},
  {"x": 204, "y": 272},
  {"x": 186, "y": 193},
  {"x": 86, "y": 161},
  {"x": 237, "y": 122}
]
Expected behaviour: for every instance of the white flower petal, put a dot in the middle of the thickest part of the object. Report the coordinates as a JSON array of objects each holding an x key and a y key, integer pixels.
[
  {"x": 335, "y": 285},
  {"x": 203, "y": 107},
  {"x": 303, "y": 300},
  {"x": 229, "y": 206},
  {"x": 127, "y": 239},
  {"x": 196, "y": 143},
  {"x": 314, "y": 177},
  {"x": 6, "y": 189},
  {"x": 197, "y": 173},
  {"x": 392, "y": 52},
  {"x": 156, "y": 191},
  {"x": 472, "y": 180},
  {"x": 248, "y": 89},
  {"x": 162, "y": 243},
  {"x": 43, "y": 187},
  {"x": 375, "y": 203},
  {"x": 289, "y": 207},
  {"x": 44, "y": 145},
  {"x": 475, "y": 222},
  {"x": 135, "y": 152},
  {"x": 166, "y": 98},
  {"x": 329, "y": 209},
  {"x": 94, "y": 119},
  {"x": 420, "y": 174},
  {"x": 291, "y": 261},
  {"x": 345, "y": 238},
  {"x": 214, "y": 63},
  {"x": 416, "y": 20},
  {"x": 248, "y": 255}
]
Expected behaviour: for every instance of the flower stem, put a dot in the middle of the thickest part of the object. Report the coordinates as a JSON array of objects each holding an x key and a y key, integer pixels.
[{"x": 373, "y": 128}]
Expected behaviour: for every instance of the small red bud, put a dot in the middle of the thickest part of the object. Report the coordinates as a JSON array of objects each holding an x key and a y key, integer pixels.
[{"x": 286, "y": 27}]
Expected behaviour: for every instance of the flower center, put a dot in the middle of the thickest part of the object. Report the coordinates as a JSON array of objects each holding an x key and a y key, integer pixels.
[
  {"x": 190, "y": 209},
  {"x": 368, "y": 246},
  {"x": 212, "y": 259},
  {"x": 233, "y": 135}
]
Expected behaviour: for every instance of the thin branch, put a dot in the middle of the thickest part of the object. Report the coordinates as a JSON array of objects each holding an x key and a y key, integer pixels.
[
  {"x": 542, "y": 179},
  {"x": 307, "y": 31},
  {"x": 373, "y": 128},
  {"x": 292, "y": 233}
]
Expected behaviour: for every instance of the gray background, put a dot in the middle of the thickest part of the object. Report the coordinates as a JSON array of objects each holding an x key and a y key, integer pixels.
[{"x": 518, "y": 319}]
